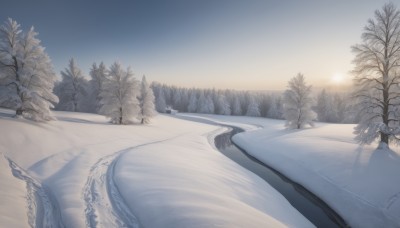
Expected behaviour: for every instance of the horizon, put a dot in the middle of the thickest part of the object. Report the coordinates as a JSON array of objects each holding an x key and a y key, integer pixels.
[{"x": 256, "y": 45}]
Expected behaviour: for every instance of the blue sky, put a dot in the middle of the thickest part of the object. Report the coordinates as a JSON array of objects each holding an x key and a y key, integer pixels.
[{"x": 251, "y": 45}]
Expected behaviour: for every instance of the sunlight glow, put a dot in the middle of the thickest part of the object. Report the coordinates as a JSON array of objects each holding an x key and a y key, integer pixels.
[{"x": 337, "y": 78}]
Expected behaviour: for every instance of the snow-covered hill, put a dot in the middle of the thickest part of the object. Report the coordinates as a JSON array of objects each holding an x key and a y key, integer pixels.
[{"x": 82, "y": 171}]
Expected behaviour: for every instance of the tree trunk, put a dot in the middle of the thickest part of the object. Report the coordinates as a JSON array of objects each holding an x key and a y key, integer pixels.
[
  {"x": 18, "y": 112},
  {"x": 120, "y": 117},
  {"x": 385, "y": 138},
  {"x": 142, "y": 121}
]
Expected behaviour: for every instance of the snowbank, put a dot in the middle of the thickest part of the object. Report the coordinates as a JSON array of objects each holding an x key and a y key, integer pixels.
[
  {"x": 361, "y": 183},
  {"x": 165, "y": 174}
]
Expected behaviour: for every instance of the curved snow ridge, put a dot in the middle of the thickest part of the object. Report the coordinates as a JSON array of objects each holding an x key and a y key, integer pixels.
[
  {"x": 43, "y": 210},
  {"x": 105, "y": 206}
]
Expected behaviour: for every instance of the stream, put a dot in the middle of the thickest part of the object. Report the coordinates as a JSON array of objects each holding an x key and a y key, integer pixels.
[{"x": 308, "y": 204}]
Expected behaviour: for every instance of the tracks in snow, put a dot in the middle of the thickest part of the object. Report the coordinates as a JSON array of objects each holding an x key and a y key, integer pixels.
[
  {"x": 43, "y": 210},
  {"x": 105, "y": 207}
]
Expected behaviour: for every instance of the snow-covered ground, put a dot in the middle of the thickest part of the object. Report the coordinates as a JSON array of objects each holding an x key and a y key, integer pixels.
[
  {"x": 360, "y": 182},
  {"x": 82, "y": 171}
]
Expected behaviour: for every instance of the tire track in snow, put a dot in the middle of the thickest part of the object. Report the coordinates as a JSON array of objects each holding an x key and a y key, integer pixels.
[
  {"x": 105, "y": 206},
  {"x": 43, "y": 210}
]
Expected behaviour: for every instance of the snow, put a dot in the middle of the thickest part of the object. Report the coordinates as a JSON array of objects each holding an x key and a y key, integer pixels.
[
  {"x": 361, "y": 183},
  {"x": 165, "y": 174},
  {"x": 12, "y": 198}
]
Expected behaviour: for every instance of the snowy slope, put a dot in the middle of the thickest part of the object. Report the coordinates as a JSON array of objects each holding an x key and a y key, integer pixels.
[
  {"x": 361, "y": 183},
  {"x": 81, "y": 171}
]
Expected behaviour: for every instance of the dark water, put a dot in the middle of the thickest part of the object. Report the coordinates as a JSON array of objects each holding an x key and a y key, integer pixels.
[{"x": 313, "y": 208}]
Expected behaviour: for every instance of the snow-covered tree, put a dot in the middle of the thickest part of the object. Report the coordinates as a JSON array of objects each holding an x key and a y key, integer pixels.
[
  {"x": 26, "y": 72},
  {"x": 275, "y": 111},
  {"x": 223, "y": 105},
  {"x": 192, "y": 107},
  {"x": 253, "y": 107},
  {"x": 265, "y": 104},
  {"x": 184, "y": 101},
  {"x": 236, "y": 108},
  {"x": 161, "y": 104},
  {"x": 323, "y": 107},
  {"x": 340, "y": 109},
  {"x": 209, "y": 107},
  {"x": 202, "y": 103},
  {"x": 98, "y": 75},
  {"x": 377, "y": 77},
  {"x": 297, "y": 103},
  {"x": 177, "y": 99},
  {"x": 73, "y": 89},
  {"x": 146, "y": 99},
  {"x": 119, "y": 95}
]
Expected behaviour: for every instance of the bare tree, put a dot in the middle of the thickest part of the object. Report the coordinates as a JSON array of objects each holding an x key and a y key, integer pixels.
[{"x": 377, "y": 77}]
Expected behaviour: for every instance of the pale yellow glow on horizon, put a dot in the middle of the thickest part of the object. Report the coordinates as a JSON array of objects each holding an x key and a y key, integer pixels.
[{"x": 337, "y": 78}]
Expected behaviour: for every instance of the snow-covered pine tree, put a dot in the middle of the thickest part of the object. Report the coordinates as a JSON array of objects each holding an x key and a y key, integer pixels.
[
  {"x": 273, "y": 111},
  {"x": 236, "y": 107},
  {"x": 26, "y": 70},
  {"x": 323, "y": 107},
  {"x": 377, "y": 78},
  {"x": 146, "y": 99},
  {"x": 161, "y": 105},
  {"x": 177, "y": 99},
  {"x": 202, "y": 103},
  {"x": 98, "y": 75},
  {"x": 223, "y": 105},
  {"x": 72, "y": 90},
  {"x": 185, "y": 100},
  {"x": 297, "y": 103},
  {"x": 265, "y": 104},
  {"x": 119, "y": 95},
  {"x": 192, "y": 107},
  {"x": 340, "y": 109},
  {"x": 210, "y": 108},
  {"x": 253, "y": 107}
]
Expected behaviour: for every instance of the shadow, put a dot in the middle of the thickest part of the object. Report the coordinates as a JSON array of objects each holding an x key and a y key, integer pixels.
[
  {"x": 195, "y": 119},
  {"x": 76, "y": 120},
  {"x": 381, "y": 158},
  {"x": 7, "y": 115},
  {"x": 358, "y": 168}
]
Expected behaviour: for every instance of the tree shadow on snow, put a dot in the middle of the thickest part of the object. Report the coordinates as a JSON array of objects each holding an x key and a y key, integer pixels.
[{"x": 77, "y": 120}]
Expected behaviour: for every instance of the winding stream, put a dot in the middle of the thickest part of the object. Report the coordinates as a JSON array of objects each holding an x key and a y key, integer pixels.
[{"x": 312, "y": 207}]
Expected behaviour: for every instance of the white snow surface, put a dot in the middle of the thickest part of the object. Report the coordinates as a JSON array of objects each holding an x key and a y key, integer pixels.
[
  {"x": 81, "y": 171},
  {"x": 361, "y": 183}
]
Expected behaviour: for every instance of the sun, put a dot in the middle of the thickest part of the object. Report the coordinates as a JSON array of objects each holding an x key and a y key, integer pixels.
[{"x": 337, "y": 78}]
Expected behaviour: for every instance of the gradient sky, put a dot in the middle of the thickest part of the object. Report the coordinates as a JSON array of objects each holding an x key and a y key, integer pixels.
[{"x": 246, "y": 45}]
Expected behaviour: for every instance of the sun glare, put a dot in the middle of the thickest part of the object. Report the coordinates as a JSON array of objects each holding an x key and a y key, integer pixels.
[{"x": 337, "y": 78}]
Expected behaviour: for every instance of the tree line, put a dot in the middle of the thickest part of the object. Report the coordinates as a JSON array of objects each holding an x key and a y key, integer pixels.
[
  {"x": 28, "y": 84},
  {"x": 113, "y": 92},
  {"x": 331, "y": 107}
]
